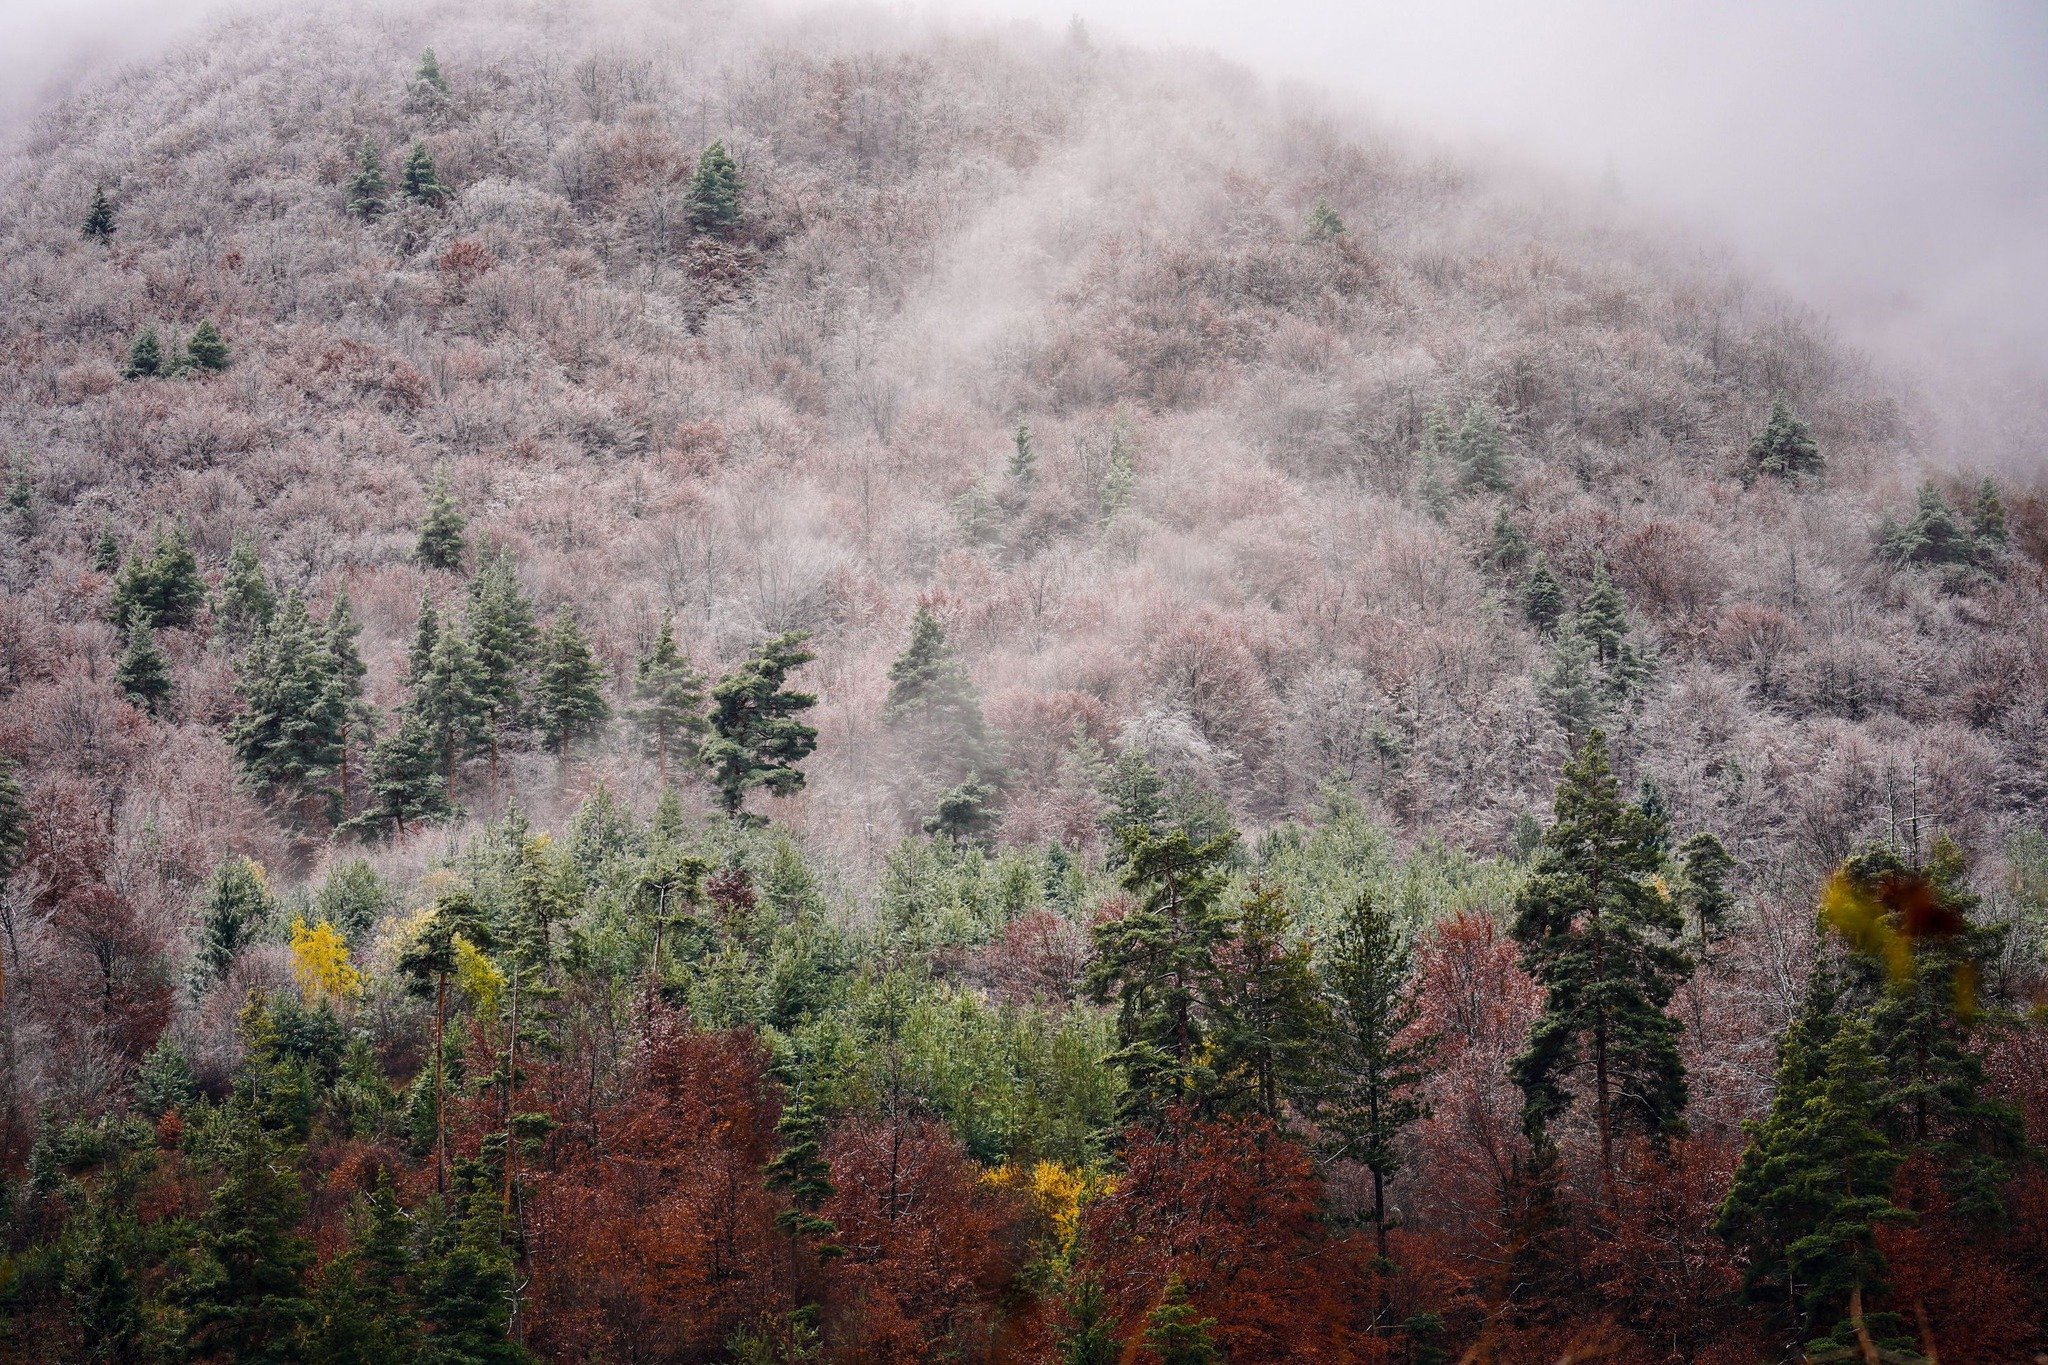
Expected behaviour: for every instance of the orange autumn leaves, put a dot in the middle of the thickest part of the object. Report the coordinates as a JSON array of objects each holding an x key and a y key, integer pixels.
[{"x": 1890, "y": 918}]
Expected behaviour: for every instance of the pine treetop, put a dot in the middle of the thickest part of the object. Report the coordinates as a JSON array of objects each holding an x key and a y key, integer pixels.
[
  {"x": 569, "y": 686},
  {"x": 369, "y": 191},
  {"x": 418, "y": 179},
  {"x": 756, "y": 739},
  {"x": 145, "y": 355},
  {"x": 99, "y": 219},
  {"x": 1784, "y": 448},
  {"x": 1599, "y": 935},
  {"x": 442, "y": 542},
  {"x": 714, "y": 194},
  {"x": 208, "y": 349}
]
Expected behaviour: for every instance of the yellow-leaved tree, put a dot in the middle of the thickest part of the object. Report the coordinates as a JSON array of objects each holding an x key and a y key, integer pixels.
[{"x": 320, "y": 962}]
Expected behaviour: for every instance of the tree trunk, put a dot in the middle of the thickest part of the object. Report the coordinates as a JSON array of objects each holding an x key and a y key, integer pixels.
[
  {"x": 1600, "y": 1088},
  {"x": 511, "y": 1083},
  {"x": 342, "y": 793},
  {"x": 440, "y": 1053}
]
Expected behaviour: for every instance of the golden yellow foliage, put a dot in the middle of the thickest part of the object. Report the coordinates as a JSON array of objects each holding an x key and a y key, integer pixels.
[
  {"x": 478, "y": 976},
  {"x": 1059, "y": 1192},
  {"x": 1886, "y": 931},
  {"x": 320, "y": 962}
]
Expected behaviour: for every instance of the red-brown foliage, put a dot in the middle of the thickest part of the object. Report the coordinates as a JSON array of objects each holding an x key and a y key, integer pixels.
[
  {"x": 650, "y": 1233},
  {"x": 929, "y": 1248},
  {"x": 1230, "y": 1207}
]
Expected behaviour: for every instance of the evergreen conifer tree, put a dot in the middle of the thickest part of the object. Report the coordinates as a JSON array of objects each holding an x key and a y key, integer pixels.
[
  {"x": 428, "y": 964},
  {"x": 965, "y": 814},
  {"x": 1815, "y": 1182},
  {"x": 1784, "y": 449},
  {"x": 145, "y": 356},
  {"x": 1378, "y": 1061},
  {"x": 418, "y": 180},
  {"x": 246, "y": 599},
  {"x": 1543, "y": 598},
  {"x": 21, "y": 495},
  {"x": 500, "y": 624},
  {"x": 714, "y": 195},
  {"x": 467, "y": 1286},
  {"x": 670, "y": 696},
  {"x": 1571, "y": 687},
  {"x": 1703, "y": 896},
  {"x": 1024, "y": 458},
  {"x": 345, "y": 674},
  {"x": 1268, "y": 1019},
  {"x": 163, "y": 587},
  {"x": 1507, "y": 550},
  {"x": 164, "y": 1081},
  {"x": 1136, "y": 795},
  {"x": 934, "y": 710},
  {"x": 1597, "y": 935},
  {"x": 364, "y": 1313},
  {"x": 99, "y": 219},
  {"x": 756, "y": 739},
  {"x": 1934, "y": 537},
  {"x": 1120, "y": 474},
  {"x": 142, "y": 675},
  {"x": 1089, "y": 1336},
  {"x": 1176, "y": 1334},
  {"x": 369, "y": 192},
  {"x": 1987, "y": 521},
  {"x": 430, "y": 71},
  {"x": 1159, "y": 962},
  {"x": 1602, "y": 619},
  {"x": 99, "y": 1279},
  {"x": 1324, "y": 224},
  {"x": 288, "y": 735},
  {"x": 800, "y": 1173},
  {"x": 442, "y": 542},
  {"x": 568, "y": 689},
  {"x": 445, "y": 698},
  {"x": 232, "y": 911},
  {"x": 208, "y": 349},
  {"x": 426, "y": 634},
  {"x": 1482, "y": 450},
  {"x": 242, "y": 1295},
  {"x": 106, "y": 551},
  {"x": 1924, "y": 1024},
  {"x": 13, "y": 818}
]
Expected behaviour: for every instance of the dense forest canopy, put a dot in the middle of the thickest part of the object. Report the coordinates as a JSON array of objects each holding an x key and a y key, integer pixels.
[{"x": 693, "y": 685}]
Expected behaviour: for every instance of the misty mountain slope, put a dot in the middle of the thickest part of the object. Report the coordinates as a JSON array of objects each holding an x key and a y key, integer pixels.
[{"x": 808, "y": 426}]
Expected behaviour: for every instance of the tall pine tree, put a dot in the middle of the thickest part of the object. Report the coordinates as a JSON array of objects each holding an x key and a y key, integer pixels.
[
  {"x": 1159, "y": 962},
  {"x": 142, "y": 675},
  {"x": 289, "y": 733},
  {"x": 442, "y": 542},
  {"x": 99, "y": 219},
  {"x": 162, "y": 587},
  {"x": 1815, "y": 1182},
  {"x": 756, "y": 739},
  {"x": 669, "y": 696},
  {"x": 368, "y": 192},
  {"x": 1377, "y": 1058},
  {"x": 246, "y": 601},
  {"x": 1784, "y": 449},
  {"x": 1599, "y": 936},
  {"x": 568, "y": 689},
  {"x": 714, "y": 195}
]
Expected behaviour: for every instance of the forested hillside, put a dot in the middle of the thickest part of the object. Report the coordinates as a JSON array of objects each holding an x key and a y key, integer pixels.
[{"x": 708, "y": 686}]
